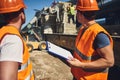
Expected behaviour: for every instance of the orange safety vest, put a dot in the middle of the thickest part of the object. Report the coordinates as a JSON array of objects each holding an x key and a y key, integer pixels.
[
  {"x": 85, "y": 52},
  {"x": 25, "y": 72}
]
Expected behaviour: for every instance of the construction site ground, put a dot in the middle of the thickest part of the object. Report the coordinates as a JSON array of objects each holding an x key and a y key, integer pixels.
[{"x": 49, "y": 67}]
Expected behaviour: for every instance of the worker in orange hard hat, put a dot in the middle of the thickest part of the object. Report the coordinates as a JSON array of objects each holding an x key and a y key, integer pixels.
[
  {"x": 15, "y": 63},
  {"x": 93, "y": 53}
]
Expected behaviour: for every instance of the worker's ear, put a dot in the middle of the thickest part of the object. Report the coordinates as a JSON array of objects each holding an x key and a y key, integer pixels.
[
  {"x": 80, "y": 17},
  {"x": 23, "y": 18}
]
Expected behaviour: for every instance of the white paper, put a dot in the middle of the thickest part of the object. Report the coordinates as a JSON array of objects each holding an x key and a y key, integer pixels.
[{"x": 58, "y": 50}]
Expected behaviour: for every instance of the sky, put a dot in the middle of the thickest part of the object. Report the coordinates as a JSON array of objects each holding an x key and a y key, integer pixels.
[{"x": 36, "y": 4}]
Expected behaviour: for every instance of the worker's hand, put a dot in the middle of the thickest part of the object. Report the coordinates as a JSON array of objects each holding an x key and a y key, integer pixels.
[{"x": 74, "y": 62}]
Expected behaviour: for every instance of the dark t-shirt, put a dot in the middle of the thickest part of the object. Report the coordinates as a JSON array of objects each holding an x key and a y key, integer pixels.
[{"x": 101, "y": 40}]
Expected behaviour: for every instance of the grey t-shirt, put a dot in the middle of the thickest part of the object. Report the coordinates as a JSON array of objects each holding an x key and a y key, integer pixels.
[{"x": 11, "y": 49}]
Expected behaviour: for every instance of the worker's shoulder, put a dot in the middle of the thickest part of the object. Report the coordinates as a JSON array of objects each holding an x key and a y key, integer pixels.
[{"x": 12, "y": 38}]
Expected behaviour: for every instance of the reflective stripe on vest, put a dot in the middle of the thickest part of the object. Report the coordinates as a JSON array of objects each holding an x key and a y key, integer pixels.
[
  {"x": 86, "y": 57},
  {"x": 24, "y": 66},
  {"x": 29, "y": 77}
]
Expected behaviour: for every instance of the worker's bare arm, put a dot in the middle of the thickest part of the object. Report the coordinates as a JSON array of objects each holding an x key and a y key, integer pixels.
[
  {"x": 107, "y": 57},
  {"x": 106, "y": 60},
  {"x": 8, "y": 70}
]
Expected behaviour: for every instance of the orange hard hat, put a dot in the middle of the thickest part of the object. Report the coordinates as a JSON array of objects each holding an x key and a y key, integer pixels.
[
  {"x": 7, "y": 6},
  {"x": 87, "y": 5}
]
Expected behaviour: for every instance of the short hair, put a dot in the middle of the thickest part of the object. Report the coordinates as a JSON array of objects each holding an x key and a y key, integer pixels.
[
  {"x": 90, "y": 15},
  {"x": 12, "y": 15}
]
